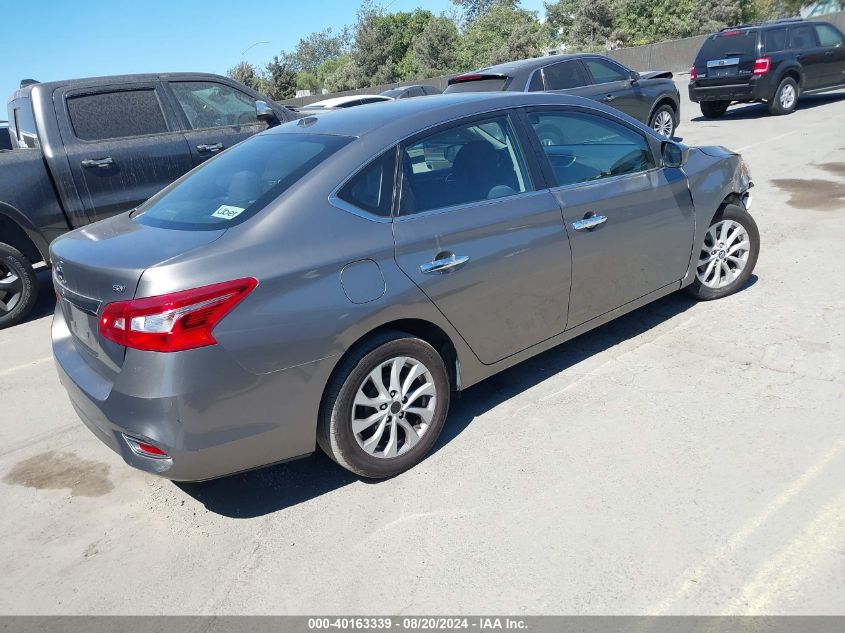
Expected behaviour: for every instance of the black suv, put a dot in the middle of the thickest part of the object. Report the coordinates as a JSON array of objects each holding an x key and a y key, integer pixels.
[{"x": 774, "y": 62}]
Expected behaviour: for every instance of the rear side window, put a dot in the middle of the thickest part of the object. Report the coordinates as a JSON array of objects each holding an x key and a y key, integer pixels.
[
  {"x": 25, "y": 132},
  {"x": 239, "y": 183},
  {"x": 208, "y": 104},
  {"x": 583, "y": 147},
  {"x": 828, "y": 36},
  {"x": 478, "y": 85},
  {"x": 567, "y": 75},
  {"x": 801, "y": 37},
  {"x": 604, "y": 72},
  {"x": 107, "y": 115},
  {"x": 729, "y": 44},
  {"x": 371, "y": 189},
  {"x": 775, "y": 40},
  {"x": 536, "y": 83}
]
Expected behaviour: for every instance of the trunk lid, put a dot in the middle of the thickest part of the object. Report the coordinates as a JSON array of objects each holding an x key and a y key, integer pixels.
[
  {"x": 103, "y": 263},
  {"x": 727, "y": 58}
]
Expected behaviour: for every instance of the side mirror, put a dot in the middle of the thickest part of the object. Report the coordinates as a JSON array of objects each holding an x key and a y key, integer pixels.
[
  {"x": 265, "y": 113},
  {"x": 674, "y": 154},
  {"x": 635, "y": 76}
]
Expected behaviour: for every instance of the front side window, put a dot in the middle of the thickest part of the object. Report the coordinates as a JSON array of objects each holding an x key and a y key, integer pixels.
[
  {"x": 801, "y": 37},
  {"x": 209, "y": 104},
  {"x": 583, "y": 147},
  {"x": 828, "y": 36},
  {"x": 565, "y": 75},
  {"x": 239, "y": 183},
  {"x": 107, "y": 115},
  {"x": 371, "y": 189},
  {"x": 604, "y": 72},
  {"x": 466, "y": 163}
]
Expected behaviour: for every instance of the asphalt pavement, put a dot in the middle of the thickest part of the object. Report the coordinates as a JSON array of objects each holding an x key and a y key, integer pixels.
[{"x": 688, "y": 458}]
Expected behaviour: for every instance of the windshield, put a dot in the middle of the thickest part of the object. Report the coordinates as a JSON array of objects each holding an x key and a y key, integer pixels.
[
  {"x": 239, "y": 183},
  {"x": 729, "y": 44}
]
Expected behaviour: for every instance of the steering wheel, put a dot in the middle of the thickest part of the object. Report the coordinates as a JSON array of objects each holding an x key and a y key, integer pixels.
[{"x": 549, "y": 135}]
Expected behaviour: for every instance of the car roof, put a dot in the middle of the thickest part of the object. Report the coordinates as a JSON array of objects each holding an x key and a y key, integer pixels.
[
  {"x": 106, "y": 80},
  {"x": 528, "y": 65},
  {"x": 399, "y": 118},
  {"x": 335, "y": 101}
]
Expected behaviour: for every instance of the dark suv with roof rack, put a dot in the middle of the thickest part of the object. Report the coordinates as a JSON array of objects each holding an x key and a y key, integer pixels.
[{"x": 774, "y": 62}]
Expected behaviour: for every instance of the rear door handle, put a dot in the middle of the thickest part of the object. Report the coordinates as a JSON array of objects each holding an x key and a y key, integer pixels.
[
  {"x": 589, "y": 223},
  {"x": 97, "y": 162},
  {"x": 444, "y": 265},
  {"x": 608, "y": 98},
  {"x": 214, "y": 147}
]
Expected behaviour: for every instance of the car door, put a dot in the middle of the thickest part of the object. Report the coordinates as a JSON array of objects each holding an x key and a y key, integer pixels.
[
  {"x": 613, "y": 86},
  {"x": 477, "y": 236},
  {"x": 833, "y": 65},
  {"x": 215, "y": 115},
  {"x": 123, "y": 144},
  {"x": 802, "y": 40},
  {"x": 630, "y": 221}
]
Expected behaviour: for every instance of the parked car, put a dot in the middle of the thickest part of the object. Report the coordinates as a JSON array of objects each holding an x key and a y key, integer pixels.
[
  {"x": 5, "y": 138},
  {"x": 87, "y": 149},
  {"x": 774, "y": 62},
  {"x": 333, "y": 280},
  {"x": 650, "y": 97},
  {"x": 406, "y": 92},
  {"x": 347, "y": 101}
]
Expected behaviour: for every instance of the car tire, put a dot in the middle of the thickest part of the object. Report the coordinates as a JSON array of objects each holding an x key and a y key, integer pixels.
[
  {"x": 785, "y": 99},
  {"x": 724, "y": 264},
  {"x": 18, "y": 286},
  {"x": 361, "y": 423},
  {"x": 714, "y": 109},
  {"x": 664, "y": 121}
]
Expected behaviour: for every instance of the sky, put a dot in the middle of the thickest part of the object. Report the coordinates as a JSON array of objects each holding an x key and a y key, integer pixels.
[{"x": 65, "y": 39}]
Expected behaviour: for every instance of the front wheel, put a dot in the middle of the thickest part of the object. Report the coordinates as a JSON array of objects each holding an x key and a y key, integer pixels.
[
  {"x": 385, "y": 406},
  {"x": 728, "y": 254},
  {"x": 785, "y": 99},
  {"x": 18, "y": 286},
  {"x": 663, "y": 121}
]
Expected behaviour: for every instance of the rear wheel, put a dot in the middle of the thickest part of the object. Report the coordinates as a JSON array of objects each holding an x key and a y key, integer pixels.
[
  {"x": 785, "y": 99},
  {"x": 714, "y": 109},
  {"x": 18, "y": 286},
  {"x": 385, "y": 406},
  {"x": 728, "y": 254},
  {"x": 663, "y": 121}
]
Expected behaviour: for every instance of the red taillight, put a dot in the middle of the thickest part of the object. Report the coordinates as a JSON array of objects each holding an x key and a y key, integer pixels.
[
  {"x": 173, "y": 322},
  {"x": 693, "y": 75},
  {"x": 762, "y": 65}
]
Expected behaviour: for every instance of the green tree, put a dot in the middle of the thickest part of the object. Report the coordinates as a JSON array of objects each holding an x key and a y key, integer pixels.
[
  {"x": 502, "y": 34},
  {"x": 313, "y": 50},
  {"x": 340, "y": 74},
  {"x": 436, "y": 47},
  {"x": 280, "y": 78},
  {"x": 560, "y": 16},
  {"x": 248, "y": 75},
  {"x": 471, "y": 10},
  {"x": 592, "y": 24}
]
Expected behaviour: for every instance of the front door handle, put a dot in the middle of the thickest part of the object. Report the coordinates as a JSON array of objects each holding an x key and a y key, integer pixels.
[
  {"x": 589, "y": 223},
  {"x": 97, "y": 162},
  {"x": 214, "y": 147},
  {"x": 444, "y": 264},
  {"x": 608, "y": 98}
]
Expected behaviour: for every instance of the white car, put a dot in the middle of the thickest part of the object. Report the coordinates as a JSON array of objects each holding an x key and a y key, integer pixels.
[{"x": 347, "y": 101}]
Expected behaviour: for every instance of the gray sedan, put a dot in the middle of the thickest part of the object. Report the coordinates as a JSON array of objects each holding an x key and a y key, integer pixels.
[{"x": 333, "y": 281}]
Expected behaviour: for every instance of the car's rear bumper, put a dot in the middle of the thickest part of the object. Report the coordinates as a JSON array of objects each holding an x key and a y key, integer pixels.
[
  {"x": 756, "y": 89},
  {"x": 208, "y": 414}
]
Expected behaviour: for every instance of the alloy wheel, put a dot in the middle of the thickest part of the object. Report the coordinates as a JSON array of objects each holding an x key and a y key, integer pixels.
[
  {"x": 724, "y": 254},
  {"x": 11, "y": 289},
  {"x": 787, "y": 96},
  {"x": 663, "y": 124},
  {"x": 394, "y": 407}
]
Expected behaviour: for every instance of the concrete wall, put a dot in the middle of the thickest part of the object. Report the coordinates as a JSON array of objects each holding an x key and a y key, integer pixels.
[{"x": 675, "y": 55}]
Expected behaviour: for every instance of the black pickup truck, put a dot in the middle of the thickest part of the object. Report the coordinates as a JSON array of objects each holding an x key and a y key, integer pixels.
[{"x": 86, "y": 149}]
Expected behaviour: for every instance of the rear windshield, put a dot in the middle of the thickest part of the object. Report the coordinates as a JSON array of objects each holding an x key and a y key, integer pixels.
[
  {"x": 478, "y": 85},
  {"x": 239, "y": 183},
  {"x": 731, "y": 44}
]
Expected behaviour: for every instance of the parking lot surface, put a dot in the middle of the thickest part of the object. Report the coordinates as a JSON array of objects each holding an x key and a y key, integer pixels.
[{"x": 688, "y": 458}]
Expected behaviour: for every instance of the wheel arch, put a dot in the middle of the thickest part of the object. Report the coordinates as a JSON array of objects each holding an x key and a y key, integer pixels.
[
  {"x": 661, "y": 101},
  {"x": 17, "y": 231}
]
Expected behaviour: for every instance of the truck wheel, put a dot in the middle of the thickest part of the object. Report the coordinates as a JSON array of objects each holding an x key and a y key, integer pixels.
[
  {"x": 785, "y": 99},
  {"x": 714, "y": 109},
  {"x": 18, "y": 286}
]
